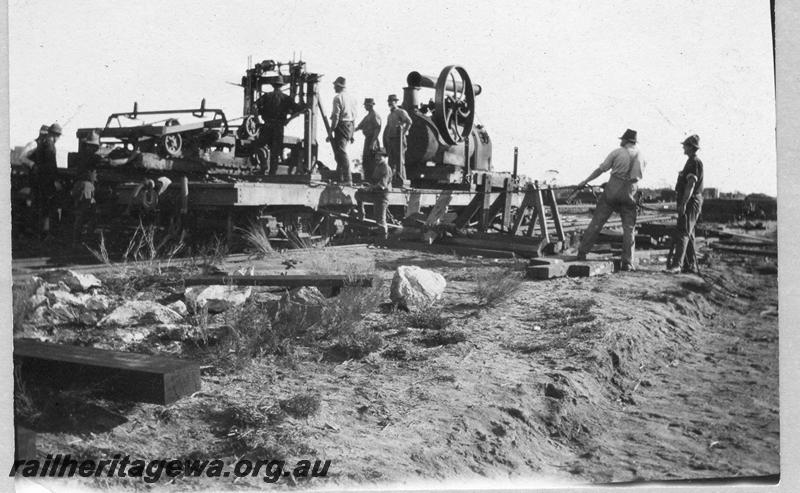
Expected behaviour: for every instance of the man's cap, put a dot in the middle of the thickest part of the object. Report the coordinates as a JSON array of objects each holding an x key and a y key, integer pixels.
[
  {"x": 392, "y": 97},
  {"x": 44, "y": 129},
  {"x": 93, "y": 138},
  {"x": 278, "y": 81},
  {"x": 629, "y": 135},
  {"x": 369, "y": 101},
  {"x": 340, "y": 81},
  {"x": 693, "y": 141},
  {"x": 54, "y": 129},
  {"x": 381, "y": 151}
]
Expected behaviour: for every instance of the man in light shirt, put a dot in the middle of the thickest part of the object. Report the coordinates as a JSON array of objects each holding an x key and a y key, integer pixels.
[
  {"x": 343, "y": 126},
  {"x": 625, "y": 164},
  {"x": 394, "y": 136}
]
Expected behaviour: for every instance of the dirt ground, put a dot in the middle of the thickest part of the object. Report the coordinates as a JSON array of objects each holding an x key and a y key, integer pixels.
[{"x": 631, "y": 376}]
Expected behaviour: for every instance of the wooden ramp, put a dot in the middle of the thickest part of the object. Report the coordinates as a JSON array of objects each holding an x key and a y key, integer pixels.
[{"x": 133, "y": 376}]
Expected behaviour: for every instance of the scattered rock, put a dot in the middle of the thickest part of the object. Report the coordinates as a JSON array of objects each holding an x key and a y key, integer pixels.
[
  {"x": 139, "y": 313},
  {"x": 173, "y": 332},
  {"x": 551, "y": 390},
  {"x": 37, "y": 300},
  {"x": 308, "y": 299},
  {"x": 179, "y": 307},
  {"x": 217, "y": 299},
  {"x": 415, "y": 287},
  {"x": 74, "y": 281}
]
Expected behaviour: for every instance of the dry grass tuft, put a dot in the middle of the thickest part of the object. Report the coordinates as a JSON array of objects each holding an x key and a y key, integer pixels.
[
  {"x": 442, "y": 338},
  {"x": 428, "y": 317},
  {"x": 256, "y": 237},
  {"x": 301, "y": 405},
  {"x": 497, "y": 286},
  {"x": 21, "y": 303}
]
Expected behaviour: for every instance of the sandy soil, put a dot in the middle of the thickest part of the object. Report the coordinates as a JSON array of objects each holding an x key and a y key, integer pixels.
[{"x": 639, "y": 375}]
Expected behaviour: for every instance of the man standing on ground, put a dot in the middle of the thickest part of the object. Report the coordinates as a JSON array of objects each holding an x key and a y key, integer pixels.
[
  {"x": 378, "y": 192},
  {"x": 397, "y": 124},
  {"x": 689, "y": 193},
  {"x": 45, "y": 177},
  {"x": 274, "y": 108},
  {"x": 343, "y": 124},
  {"x": 370, "y": 125},
  {"x": 625, "y": 164}
]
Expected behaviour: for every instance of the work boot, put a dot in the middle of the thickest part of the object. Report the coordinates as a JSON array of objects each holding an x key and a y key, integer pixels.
[
  {"x": 673, "y": 270},
  {"x": 627, "y": 267}
]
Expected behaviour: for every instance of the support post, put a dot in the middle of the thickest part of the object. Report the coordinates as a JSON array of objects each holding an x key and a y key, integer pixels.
[
  {"x": 516, "y": 160},
  {"x": 486, "y": 203}
]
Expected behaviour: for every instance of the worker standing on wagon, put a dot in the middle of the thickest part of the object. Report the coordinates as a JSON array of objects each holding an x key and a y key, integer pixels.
[
  {"x": 45, "y": 177},
  {"x": 275, "y": 108},
  {"x": 689, "y": 193},
  {"x": 370, "y": 125},
  {"x": 394, "y": 138},
  {"x": 84, "y": 201},
  {"x": 619, "y": 195},
  {"x": 343, "y": 120},
  {"x": 28, "y": 153},
  {"x": 378, "y": 191}
]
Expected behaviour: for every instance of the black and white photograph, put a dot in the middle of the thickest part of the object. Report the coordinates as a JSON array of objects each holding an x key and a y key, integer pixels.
[{"x": 307, "y": 245}]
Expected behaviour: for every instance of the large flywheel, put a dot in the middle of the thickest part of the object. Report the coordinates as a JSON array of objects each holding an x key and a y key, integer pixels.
[{"x": 454, "y": 113}]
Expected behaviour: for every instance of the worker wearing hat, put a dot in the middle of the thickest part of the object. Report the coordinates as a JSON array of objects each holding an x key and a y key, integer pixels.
[
  {"x": 689, "y": 193},
  {"x": 370, "y": 125},
  {"x": 378, "y": 191},
  {"x": 343, "y": 119},
  {"x": 625, "y": 164},
  {"x": 45, "y": 178},
  {"x": 394, "y": 137},
  {"x": 28, "y": 152},
  {"x": 275, "y": 108}
]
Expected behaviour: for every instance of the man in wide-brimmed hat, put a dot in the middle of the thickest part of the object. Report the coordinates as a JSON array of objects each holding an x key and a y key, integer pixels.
[
  {"x": 275, "y": 108},
  {"x": 370, "y": 125},
  {"x": 378, "y": 191},
  {"x": 45, "y": 184},
  {"x": 394, "y": 137},
  {"x": 343, "y": 119},
  {"x": 689, "y": 193},
  {"x": 625, "y": 164}
]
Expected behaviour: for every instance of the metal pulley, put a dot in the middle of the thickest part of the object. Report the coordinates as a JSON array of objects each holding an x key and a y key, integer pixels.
[{"x": 454, "y": 106}]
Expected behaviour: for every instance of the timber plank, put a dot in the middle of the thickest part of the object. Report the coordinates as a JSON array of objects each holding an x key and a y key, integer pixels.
[
  {"x": 587, "y": 269},
  {"x": 549, "y": 271},
  {"x": 139, "y": 377},
  {"x": 289, "y": 281}
]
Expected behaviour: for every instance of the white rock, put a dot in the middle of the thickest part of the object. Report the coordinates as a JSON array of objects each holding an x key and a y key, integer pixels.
[
  {"x": 37, "y": 300},
  {"x": 308, "y": 300},
  {"x": 81, "y": 282},
  {"x": 179, "y": 307},
  {"x": 217, "y": 298},
  {"x": 415, "y": 287},
  {"x": 140, "y": 313}
]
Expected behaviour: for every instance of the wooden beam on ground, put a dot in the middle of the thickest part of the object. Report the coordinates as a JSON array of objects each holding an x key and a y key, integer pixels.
[
  {"x": 587, "y": 269},
  {"x": 519, "y": 249},
  {"x": 766, "y": 252},
  {"x": 133, "y": 376},
  {"x": 546, "y": 269},
  {"x": 438, "y": 248},
  {"x": 288, "y": 281}
]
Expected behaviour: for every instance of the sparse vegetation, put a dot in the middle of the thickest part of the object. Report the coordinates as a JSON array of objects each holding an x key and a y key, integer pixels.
[
  {"x": 428, "y": 317},
  {"x": 21, "y": 303},
  {"x": 442, "y": 338},
  {"x": 256, "y": 237},
  {"x": 497, "y": 286}
]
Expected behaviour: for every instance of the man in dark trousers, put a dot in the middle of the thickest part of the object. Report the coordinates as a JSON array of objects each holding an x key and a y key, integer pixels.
[
  {"x": 394, "y": 136},
  {"x": 343, "y": 125},
  {"x": 689, "y": 193},
  {"x": 45, "y": 177},
  {"x": 275, "y": 109},
  {"x": 378, "y": 191},
  {"x": 370, "y": 125},
  {"x": 619, "y": 195}
]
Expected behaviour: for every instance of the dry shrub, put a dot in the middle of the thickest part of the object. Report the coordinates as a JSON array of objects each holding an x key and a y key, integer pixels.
[
  {"x": 426, "y": 317},
  {"x": 301, "y": 405},
  {"x": 497, "y": 286},
  {"x": 442, "y": 338},
  {"x": 256, "y": 237},
  {"x": 21, "y": 303}
]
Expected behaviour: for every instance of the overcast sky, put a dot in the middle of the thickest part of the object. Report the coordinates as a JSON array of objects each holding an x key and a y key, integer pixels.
[{"x": 562, "y": 80}]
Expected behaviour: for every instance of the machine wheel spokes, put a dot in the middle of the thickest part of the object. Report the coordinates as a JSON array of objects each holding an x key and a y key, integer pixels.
[
  {"x": 173, "y": 144},
  {"x": 454, "y": 111}
]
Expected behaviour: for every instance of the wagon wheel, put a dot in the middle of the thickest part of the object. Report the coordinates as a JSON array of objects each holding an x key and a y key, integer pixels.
[
  {"x": 250, "y": 127},
  {"x": 454, "y": 106},
  {"x": 172, "y": 143}
]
